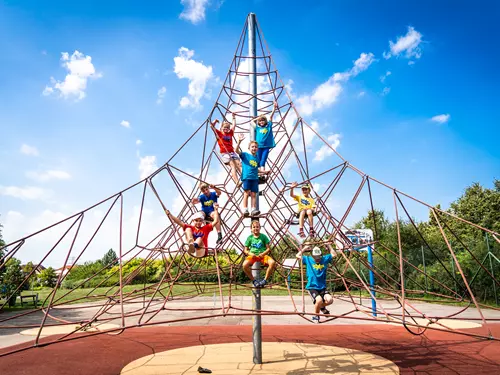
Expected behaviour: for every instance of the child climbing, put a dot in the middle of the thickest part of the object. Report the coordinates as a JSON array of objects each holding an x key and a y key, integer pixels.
[
  {"x": 207, "y": 199},
  {"x": 225, "y": 141},
  {"x": 306, "y": 206},
  {"x": 257, "y": 250},
  {"x": 249, "y": 175},
  {"x": 264, "y": 137},
  {"x": 316, "y": 267},
  {"x": 197, "y": 232}
]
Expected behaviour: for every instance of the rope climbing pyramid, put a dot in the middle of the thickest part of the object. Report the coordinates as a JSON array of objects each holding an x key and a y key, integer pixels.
[{"x": 376, "y": 279}]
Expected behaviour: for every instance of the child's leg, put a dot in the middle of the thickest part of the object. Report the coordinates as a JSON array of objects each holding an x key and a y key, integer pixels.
[
  {"x": 302, "y": 214},
  {"x": 270, "y": 268},
  {"x": 217, "y": 227},
  {"x": 189, "y": 239},
  {"x": 234, "y": 176},
  {"x": 259, "y": 155},
  {"x": 253, "y": 200},
  {"x": 247, "y": 268},
  {"x": 264, "y": 153},
  {"x": 200, "y": 248},
  {"x": 310, "y": 217},
  {"x": 238, "y": 166},
  {"x": 245, "y": 199},
  {"x": 318, "y": 304}
]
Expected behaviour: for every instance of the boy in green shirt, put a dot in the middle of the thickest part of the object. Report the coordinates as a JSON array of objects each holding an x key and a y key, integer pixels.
[{"x": 257, "y": 250}]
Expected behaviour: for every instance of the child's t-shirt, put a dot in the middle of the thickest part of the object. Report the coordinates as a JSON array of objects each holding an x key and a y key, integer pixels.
[
  {"x": 225, "y": 141},
  {"x": 305, "y": 202},
  {"x": 264, "y": 135},
  {"x": 207, "y": 203},
  {"x": 200, "y": 232},
  {"x": 316, "y": 272},
  {"x": 250, "y": 166},
  {"x": 257, "y": 245}
]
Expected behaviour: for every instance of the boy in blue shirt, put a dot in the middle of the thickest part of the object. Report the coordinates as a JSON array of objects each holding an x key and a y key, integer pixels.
[
  {"x": 207, "y": 200},
  {"x": 249, "y": 175},
  {"x": 264, "y": 137},
  {"x": 316, "y": 267}
]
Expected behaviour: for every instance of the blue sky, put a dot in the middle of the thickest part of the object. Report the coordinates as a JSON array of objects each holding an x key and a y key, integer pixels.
[{"x": 64, "y": 150}]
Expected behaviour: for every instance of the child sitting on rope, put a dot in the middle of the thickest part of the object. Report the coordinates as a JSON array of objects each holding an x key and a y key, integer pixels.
[
  {"x": 257, "y": 250},
  {"x": 306, "y": 206},
  {"x": 225, "y": 141},
  {"x": 316, "y": 267},
  {"x": 249, "y": 176},
  {"x": 264, "y": 137},
  {"x": 207, "y": 199},
  {"x": 197, "y": 232}
]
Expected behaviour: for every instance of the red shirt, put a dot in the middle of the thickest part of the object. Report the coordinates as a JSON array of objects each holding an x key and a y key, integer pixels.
[
  {"x": 201, "y": 232},
  {"x": 225, "y": 141}
]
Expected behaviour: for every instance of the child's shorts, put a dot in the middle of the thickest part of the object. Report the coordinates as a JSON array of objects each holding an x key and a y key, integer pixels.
[
  {"x": 263, "y": 260},
  {"x": 227, "y": 157},
  {"x": 298, "y": 213},
  {"x": 315, "y": 293},
  {"x": 252, "y": 185}
]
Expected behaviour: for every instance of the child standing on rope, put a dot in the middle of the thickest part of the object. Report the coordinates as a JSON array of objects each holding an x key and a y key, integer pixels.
[
  {"x": 306, "y": 206},
  {"x": 207, "y": 199},
  {"x": 249, "y": 176},
  {"x": 316, "y": 267},
  {"x": 264, "y": 137},
  {"x": 225, "y": 141},
  {"x": 197, "y": 232},
  {"x": 257, "y": 250}
]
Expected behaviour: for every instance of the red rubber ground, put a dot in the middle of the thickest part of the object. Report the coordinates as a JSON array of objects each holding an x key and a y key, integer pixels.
[{"x": 433, "y": 353}]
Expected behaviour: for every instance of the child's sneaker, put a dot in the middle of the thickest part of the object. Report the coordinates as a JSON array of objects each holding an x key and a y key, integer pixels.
[
  {"x": 315, "y": 319},
  {"x": 301, "y": 233},
  {"x": 312, "y": 233},
  {"x": 246, "y": 213},
  {"x": 256, "y": 283},
  {"x": 255, "y": 212},
  {"x": 325, "y": 311},
  {"x": 262, "y": 283},
  {"x": 219, "y": 238}
]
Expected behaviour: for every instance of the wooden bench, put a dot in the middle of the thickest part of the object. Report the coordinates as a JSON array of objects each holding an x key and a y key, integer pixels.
[{"x": 33, "y": 297}]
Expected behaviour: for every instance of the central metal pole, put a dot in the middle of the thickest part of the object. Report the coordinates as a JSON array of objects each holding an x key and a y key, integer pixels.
[{"x": 256, "y": 301}]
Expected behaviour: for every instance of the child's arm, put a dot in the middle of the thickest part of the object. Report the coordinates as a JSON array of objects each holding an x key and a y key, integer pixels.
[
  {"x": 274, "y": 110},
  {"x": 233, "y": 128},
  {"x": 195, "y": 200},
  {"x": 174, "y": 219},
  {"x": 294, "y": 185},
  {"x": 246, "y": 251},
  {"x": 217, "y": 217},
  {"x": 268, "y": 250},
  {"x": 237, "y": 148},
  {"x": 212, "y": 124},
  {"x": 217, "y": 190},
  {"x": 302, "y": 251}
]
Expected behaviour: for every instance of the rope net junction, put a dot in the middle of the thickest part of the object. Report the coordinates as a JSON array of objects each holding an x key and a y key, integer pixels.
[{"x": 133, "y": 222}]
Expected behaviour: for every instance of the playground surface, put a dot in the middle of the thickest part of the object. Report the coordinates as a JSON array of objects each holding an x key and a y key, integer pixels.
[{"x": 353, "y": 346}]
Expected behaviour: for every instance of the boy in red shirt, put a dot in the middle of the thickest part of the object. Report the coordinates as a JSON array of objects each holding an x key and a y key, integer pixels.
[
  {"x": 225, "y": 141},
  {"x": 196, "y": 233}
]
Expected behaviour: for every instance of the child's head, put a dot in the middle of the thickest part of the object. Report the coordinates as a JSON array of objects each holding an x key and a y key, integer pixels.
[
  {"x": 255, "y": 227},
  {"x": 316, "y": 254},
  {"x": 226, "y": 127},
  {"x": 306, "y": 190},
  {"x": 198, "y": 219},
  {"x": 204, "y": 188},
  {"x": 253, "y": 147},
  {"x": 262, "y": 121}
]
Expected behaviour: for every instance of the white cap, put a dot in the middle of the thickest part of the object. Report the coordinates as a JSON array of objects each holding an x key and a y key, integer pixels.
[
  {"x": 316, "y": 252},
  {"x": 198, "y": 215}
]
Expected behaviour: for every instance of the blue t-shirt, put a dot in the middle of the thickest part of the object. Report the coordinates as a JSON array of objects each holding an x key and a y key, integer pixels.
[
  {"x": 316, "y": 272},
  {"x": 207, "y": 203},
  {"x": 264, "y": 135},
  {"x": 250, "y": 166}
]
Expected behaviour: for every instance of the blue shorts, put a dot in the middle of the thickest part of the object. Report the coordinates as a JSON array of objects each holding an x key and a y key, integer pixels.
[{"x": 252, "y": 185}]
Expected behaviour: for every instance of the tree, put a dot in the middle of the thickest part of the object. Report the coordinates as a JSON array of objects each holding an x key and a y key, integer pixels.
[
  {"x": 109, "y": 258},
  {"x": 48, "y": 277},
  {"x": 11, "y": 279}
]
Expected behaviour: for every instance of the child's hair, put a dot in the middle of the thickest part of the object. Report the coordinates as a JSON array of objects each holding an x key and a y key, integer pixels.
[
  {"x": 254, "y": 221},
  {"x": 252, "y": 142},
  {"x": 203, "y": 186},
  {"x": 262, "y": 118},
  {"x": 225, "y": 123}
]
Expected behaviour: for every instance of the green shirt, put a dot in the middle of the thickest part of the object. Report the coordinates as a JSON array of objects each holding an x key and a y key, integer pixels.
[{"x": 257, "y": 245}]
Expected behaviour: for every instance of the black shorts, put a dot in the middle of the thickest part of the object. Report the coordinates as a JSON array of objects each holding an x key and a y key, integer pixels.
[{"x": 315, "y": 292}]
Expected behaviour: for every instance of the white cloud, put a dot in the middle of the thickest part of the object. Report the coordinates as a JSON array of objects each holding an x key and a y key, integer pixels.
[
  {"x": 361, "y": 94},
  {"x": 387, "y": 74},
  {"x": 194, "y": 10},
  {"x": 147, "y": 165},
  {"x": 325, "y": 150},
  {"x": 386, "y": 91},
  {"x": 80, "y": 70},
  {"x": 125, "y": 124},
  {"x": 411, "y": 62},
  {"x": 441, "y": 119},
  {"x": 28, "y": 150},
  {"x": 328, "y": 92},
  {"x": 138, "y": 142},
  {"x": 25, "y": 193},
  {"x": 407, "y": 45},
  {"x": 197, "y": 74},
  {"x": 161, "y": 94},
  {"x": 48, "y": 175}
]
